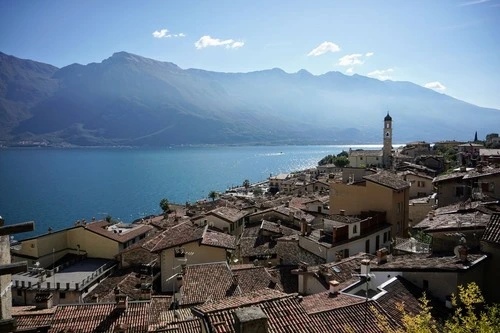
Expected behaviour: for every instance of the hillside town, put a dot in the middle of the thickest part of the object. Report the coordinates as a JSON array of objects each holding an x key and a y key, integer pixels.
[{"x": 329, "y": 249}]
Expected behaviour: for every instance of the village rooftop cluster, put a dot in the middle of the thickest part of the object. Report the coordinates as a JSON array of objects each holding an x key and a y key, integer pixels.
[{"x": 322, "y": 250}]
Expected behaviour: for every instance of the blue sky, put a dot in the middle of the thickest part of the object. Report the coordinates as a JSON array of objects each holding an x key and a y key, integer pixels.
[{"x": 450, "y": 46}]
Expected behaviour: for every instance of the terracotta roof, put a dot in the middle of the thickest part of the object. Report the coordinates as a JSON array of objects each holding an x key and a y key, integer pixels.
[
  {"x": 129, "y": 281},
  {"x": 101, "y": 317},
  {"x": 101, "y": 228},
  {"x": 228, "y": 213},
  {"x": 277, "y": 228},
  {"x": 255, "y": 278},
  {"x": 324, "y": 301},
  {"x": 492, "y": 232},
  {"x": 341, "y": 271},
  {"x": 283, "y": 311},
  {"x": 285, "y": 278},
  {"x": 365, "y": 152},
  {"x": 218, "y": 239},
  {"x": 428, "y": 263},
  {"x": 179, "y": 234},
  {"x": 440, "y": 222},
  {"x": 33, "y": 321},
  {"x": 212, "y": 281},
  {"x": 252, "y": 298},
  {"x": 253, "y": 244},
  {"x": 388, "y": 179},
  {"x": 453, "y": 175},
  {"x": 178, "y": 321},
  {"x": 359, "y": 317},
  {"x": 296, "y": 213},
  {"x": 484, "y": 173}
]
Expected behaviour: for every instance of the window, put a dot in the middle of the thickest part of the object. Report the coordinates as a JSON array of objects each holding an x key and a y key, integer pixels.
[
  {"x": 355, "y": 229},
  {"x": 19, "y": 292},
  {"x": 400, "y": 205},
  {"x": 346, "y": 253},
  {"x": 62, "y": 295},
  {"x": 377, "y": 242},
  {"x": 319, "y": 209},
  {"x": 367, "y": 246},
  {"x": 387, "y": 125},
  {"x": 231, "y": 227},
  {"x": 361, "y": 158},
  {"x": 420, "y": 184},
  {"x": 385, "y": 237},
  {"x": 459, "y": 191},
  {"x": 204, "y": 222}
]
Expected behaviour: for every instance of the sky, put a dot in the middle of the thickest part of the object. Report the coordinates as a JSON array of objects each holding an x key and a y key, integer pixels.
[{"x": 451, "y": 46}]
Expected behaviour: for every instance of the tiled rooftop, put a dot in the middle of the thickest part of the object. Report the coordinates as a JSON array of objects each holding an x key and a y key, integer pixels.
[
  {"x": 365, "y": 152},
  {"x": 453, "y": 175},
  {"x": 388, "y": 179},
  {"x": 324, "y": 301},
  {"x": 253, "y": 244},
  {"x": 32, "y": 322},
  {"x": 450, "y": 221},
  {"x": 228, "y": 213},
  {"x": 283, "y": 311},
  {"x": 100, "y": 317},
  {"x": 429, "y": 263},
  {"x": 129, "y": 281},
  {"x": 129, "y": 233},
  {"x": 492, "y": 231},
  {"x": 218, "y": 239},
  {"x": 212, "y": 281},
  {"x": 255, "y": 278},
  {"x": 177, "y": 235},
  {"x": 361, "y": 317},
  {"x": 484, "y": 173}
]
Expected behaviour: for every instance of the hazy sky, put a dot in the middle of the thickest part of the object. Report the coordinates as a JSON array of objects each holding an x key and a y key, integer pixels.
[{"x": 450, "y": 46}]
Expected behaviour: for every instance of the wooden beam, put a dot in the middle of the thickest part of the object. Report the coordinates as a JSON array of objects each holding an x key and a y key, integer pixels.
[
  {"x": 14, "y": 268},
  {"x": 17, "y": 228}
]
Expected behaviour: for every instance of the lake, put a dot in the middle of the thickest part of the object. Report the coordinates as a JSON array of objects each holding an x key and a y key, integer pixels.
[{"x": 54, "y": 187}]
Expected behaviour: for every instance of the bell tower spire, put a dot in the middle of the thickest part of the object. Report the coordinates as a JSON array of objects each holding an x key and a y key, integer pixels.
[{"x": 387, "y": 149}]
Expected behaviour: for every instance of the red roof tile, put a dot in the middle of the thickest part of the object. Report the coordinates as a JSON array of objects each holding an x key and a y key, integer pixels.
[
  {"x": 212, "y": 281},
  {"x": 325, "y": 301},
  {"x": 179, "y": 234}
]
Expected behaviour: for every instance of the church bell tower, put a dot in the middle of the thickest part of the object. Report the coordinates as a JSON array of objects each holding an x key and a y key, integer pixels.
[{"x": 387, "y": 149}]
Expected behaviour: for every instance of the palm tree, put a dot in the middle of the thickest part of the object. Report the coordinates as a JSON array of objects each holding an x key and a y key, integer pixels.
[{"x": 213, "y": 195}]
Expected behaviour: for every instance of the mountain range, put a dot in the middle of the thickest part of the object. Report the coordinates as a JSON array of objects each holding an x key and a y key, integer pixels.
[{"x": 135, "y": 101}]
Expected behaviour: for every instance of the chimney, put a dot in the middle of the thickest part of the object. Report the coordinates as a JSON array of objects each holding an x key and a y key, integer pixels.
[
  {"x": 342, "y": 212},
  {"x": 365, "y": 266},
  {"x": 309, "y": 229},
  {"x": 334, "y": 287},
  {"x": 43, "y": 301},
  {"x": 303, "y": 227},
  {"x": 121, "y": 301},
  {"x": 382, "y": 256},
  {"x": 250, "y": 319}
]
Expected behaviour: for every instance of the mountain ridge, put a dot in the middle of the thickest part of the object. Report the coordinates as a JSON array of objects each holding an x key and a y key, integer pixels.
[{"x": 127, "y": 99}]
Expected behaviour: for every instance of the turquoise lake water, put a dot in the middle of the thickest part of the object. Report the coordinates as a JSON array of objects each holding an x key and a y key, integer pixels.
[{"x": 55, "y": 187}]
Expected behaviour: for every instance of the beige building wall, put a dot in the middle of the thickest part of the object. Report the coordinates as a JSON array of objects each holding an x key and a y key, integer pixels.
[
  {"x": 212, "y": 220},
  {"x": 370, "y": 196},
  {"x": 195, "y": 254},
  {"x": 364, "y": 161},
  {"x": 95, "y": 245},
  {"x": 419, "y": 211},
  {"x": 419, "y": 186}
]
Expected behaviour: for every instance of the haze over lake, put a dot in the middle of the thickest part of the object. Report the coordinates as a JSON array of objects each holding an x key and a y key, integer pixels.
[{"x": 55, "y": 187}]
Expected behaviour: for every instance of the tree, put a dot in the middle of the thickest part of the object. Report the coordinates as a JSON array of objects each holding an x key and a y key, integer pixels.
[
  {"x": 108, "y": 218},
  {"x": 213, "y": 195},
  {"x": 164, "y": 205},
  {"x": 343, "y": 153},
  {"x": 471, "y": 315},
  {"x": 257, "y": 191},
  {"x": 341, "y": 161},
  {"x": 328, "y": 159},
  {"x": 246, "y": 184}
]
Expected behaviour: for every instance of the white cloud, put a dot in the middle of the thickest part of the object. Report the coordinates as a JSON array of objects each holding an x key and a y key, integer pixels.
[
  {"x": 324, "y": 48},
  {"x": 163, "y": 33},
  {"x": 369, "y": 54},
  {"x": 160, "y": 33},
  {"x": 381, "y": 74},
  {"x": 207, "y": 41},
  {"x": 436, "y": 85},
  {"x": 350, "y": 60},
  {"x": 349, "y": 70}
]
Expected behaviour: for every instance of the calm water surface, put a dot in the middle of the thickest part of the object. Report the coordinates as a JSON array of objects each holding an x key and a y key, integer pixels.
[{"x": 55, "y": 187}]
